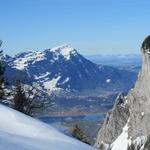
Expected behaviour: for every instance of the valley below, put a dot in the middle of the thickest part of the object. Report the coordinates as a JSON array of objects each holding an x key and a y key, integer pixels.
[{"x": 88, "y": 123}]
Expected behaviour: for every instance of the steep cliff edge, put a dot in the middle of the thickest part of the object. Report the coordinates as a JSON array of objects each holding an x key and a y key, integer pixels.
[{"x": 129, "y": 120}]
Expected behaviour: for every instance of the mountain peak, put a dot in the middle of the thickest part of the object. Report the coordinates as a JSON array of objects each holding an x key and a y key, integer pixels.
[
  {"x": 64, "y": 50},
  {"x": 146, "y": 44}
]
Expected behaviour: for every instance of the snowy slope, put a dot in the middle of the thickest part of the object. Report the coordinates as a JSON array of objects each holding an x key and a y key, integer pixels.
[{"x": 20, "y": 132}]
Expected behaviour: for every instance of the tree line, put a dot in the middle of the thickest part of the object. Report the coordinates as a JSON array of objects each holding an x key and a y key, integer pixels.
[{"x": 25, "y": 100}]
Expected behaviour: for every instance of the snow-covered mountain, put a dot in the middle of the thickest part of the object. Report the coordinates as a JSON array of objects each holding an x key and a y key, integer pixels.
[
  {"x": 64, "y": 68},
  {"x": 21, "y": 132}
]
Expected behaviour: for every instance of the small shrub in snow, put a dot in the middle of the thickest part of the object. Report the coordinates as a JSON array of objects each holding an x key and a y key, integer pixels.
[{"x": 80, "y": 135}]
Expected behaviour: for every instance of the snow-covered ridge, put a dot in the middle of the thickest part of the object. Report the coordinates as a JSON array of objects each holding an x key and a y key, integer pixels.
[
  {"x": 64, "y": 50},
  {"x": 21, "y": 61},
  {"x": 20, "y": 132},
  {"x": 32, "y": 56}
]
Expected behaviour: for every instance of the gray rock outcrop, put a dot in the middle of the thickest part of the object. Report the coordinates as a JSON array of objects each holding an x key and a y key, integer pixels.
[{"x": 134, "y": 109}]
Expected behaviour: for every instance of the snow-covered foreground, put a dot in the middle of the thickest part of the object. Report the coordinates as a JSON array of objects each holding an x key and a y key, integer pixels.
[{"x": 20, "y": 132}]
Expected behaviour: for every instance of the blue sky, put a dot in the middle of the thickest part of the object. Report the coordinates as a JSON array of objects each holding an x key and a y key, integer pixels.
[{"x": 90, "y": 26}]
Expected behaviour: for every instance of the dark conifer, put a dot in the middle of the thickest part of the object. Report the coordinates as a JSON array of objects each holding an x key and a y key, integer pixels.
[
  {"x": 19, "y": 98},
  {"x": 25, "y": 100},
  {"x": 1, "y": 75}
]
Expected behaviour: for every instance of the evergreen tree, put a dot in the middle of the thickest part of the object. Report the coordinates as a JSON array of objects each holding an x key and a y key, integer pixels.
[
  {"x": 1, "y": 75},
  {"x": 25, "y": 100},
  {"x": 19, "y": 98}
]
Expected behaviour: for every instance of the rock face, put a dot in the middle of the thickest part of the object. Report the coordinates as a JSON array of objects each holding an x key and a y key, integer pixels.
[
  {"x": 114, "y": 122},
  {"x": 132, "y": 111}
]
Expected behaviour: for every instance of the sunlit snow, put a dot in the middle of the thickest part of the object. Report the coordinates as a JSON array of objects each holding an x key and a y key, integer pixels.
[
  {"x": 33, "y": 56},
  {"x": 66, "y": 80},
  {"x": 122, "y": 142},
  {"x": 64, "y": 50},
  {"x": 20, "y": 132},
  {"x": 41, "y": 76},
  {"x": 51, "y": 84},
  {"x": 108, "y": 80}
]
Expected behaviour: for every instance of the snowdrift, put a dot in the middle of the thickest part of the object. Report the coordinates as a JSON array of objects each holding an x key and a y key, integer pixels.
[{"x": 21, "y": 132}]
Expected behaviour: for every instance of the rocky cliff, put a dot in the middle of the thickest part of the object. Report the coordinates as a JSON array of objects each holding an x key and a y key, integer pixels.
[{"x": 129, "y": 121}]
